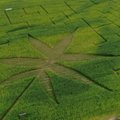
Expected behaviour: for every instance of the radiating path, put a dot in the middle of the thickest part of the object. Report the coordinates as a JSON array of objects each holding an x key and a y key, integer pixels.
[{"x": 50, "y": 62}]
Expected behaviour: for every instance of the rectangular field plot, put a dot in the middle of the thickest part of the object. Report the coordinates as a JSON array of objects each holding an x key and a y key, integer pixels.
[
  {"x": 35, "y": 9},
  {"x": 3, "y": 19},
  {"x": 113, "y": 19},
  {"x": 16, "y": 16},
  {"x": 82, "y": 37},
  {"x": 39, "y": 19},
  {"x": 57, "y": 18},
  {"x": 110, "y": 32},
  {"x": 97, "y": 22},
  {"x": 77, "y": 6}
]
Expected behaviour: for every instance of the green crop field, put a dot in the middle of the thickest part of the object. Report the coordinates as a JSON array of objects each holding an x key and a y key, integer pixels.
[{"x": 59, "y": 59}]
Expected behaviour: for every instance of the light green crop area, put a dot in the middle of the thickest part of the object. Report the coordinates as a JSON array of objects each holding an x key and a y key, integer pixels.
[{"x": 59, "y": 59}]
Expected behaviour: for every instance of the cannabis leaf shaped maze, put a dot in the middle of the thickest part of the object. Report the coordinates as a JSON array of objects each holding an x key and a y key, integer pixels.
[{"x": 52, "y": 63}]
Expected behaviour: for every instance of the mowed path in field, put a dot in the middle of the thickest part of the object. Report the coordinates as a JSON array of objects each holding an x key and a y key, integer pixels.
[
  {"x": 51, "y": 63},
  {"x": 53, "y": 58}
]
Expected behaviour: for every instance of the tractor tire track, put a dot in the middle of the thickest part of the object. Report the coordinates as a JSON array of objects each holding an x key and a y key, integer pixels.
[
  {"x": 5, "y": 58},
  {"x": 104, "y": 55},
  {"x": 20, "y": 61}
]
